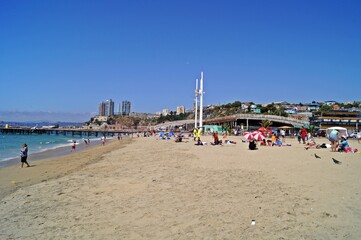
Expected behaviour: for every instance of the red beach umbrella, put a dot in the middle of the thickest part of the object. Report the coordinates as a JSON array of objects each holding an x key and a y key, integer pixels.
[
  {"x": 259, "y": 136},
  {"x": 262, "y": 129},
  {"x": 248, "y": 135}
]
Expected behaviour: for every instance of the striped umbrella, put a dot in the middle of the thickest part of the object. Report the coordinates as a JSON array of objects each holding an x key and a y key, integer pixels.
[
  {"x": 248, "y": 135},
  {"x": 259, "y": 136}
]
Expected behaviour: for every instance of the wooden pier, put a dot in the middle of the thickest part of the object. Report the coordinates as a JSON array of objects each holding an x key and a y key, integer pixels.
[{"x": 67, "y": 131}]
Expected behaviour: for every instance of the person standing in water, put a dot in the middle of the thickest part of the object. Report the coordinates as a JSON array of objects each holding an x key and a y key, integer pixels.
[
  {"x": 73, "y": 145},
  {"x": 24, "y": 155}
]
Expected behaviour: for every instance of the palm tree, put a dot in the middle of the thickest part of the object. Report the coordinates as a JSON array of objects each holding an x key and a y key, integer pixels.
[{"x": 266, "y": 123}]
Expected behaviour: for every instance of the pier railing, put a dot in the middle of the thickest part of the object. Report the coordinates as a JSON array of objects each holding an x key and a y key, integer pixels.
[{"x": 68, "y": 131}]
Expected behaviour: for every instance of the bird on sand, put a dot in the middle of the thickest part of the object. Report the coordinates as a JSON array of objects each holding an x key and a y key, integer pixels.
[
  {"x": 336, "y": 161},
  {"x": 316, "y": 156}
]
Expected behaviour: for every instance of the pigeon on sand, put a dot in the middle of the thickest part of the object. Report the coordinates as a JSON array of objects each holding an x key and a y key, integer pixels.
[{"x": 336, "y": 161}]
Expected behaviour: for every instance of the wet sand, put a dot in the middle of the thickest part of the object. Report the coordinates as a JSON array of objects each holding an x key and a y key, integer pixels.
[
  {"x": 60, "y": 162},
  {"x": 143, "y": 188}
]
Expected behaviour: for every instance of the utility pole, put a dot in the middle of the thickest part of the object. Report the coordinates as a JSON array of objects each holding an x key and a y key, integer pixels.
[
  {"x": 201, "y": 102},
  {"x": 196, "y": 105}
]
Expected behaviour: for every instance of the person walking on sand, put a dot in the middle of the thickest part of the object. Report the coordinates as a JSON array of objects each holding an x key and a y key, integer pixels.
[
  {"x": 103, "y": 141},
  {"x": 199, "y": 133},
  {"x": 24, "y": 155},
  {"x": 195, "y": 132},
  {"x": 283, "y": 134},
  {"x": 303, "y": 135},
  {"x": 299, "y": 136}
]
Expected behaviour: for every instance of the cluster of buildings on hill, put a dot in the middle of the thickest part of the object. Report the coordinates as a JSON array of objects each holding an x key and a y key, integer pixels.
[
  {"x": 337, "y": 114},
  {"x": 322, "y": 114},
  {"x": 166, "y": 111},
  {"x": 106, "y": 108}
]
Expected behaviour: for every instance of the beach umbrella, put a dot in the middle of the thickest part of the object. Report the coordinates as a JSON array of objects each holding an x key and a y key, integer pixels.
[
  {"x": 255, "y": 132},
  {"x": 259, "y": 136},
  {"x": 248, "y": 135},
  {"x": 262, "y": 129}
]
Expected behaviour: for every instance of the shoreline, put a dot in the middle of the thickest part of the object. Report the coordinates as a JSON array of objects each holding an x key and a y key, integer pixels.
[
  {"x": 49, "y": 153},
  {"x": 53, "y": 164}
]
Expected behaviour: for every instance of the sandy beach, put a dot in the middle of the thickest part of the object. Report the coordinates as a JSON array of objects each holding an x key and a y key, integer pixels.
[{"x": 144, "y": 188}]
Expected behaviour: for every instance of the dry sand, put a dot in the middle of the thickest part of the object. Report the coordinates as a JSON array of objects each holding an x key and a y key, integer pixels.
[{"x": 145, "y": 188}]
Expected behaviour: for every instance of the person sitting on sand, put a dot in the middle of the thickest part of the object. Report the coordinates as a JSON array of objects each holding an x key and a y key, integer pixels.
[
  {"x": 311, "y": 141},
  {"x": 216, "y": 139},
  {"x": 273, "y": 138},
  {"x": 343, "y": 145},
  {"x": 278, "y": 142},
  {"x": 263, "y": 143},
  {"x": 312, "y": 144},
  {"x": 179, "y": 138},
  {"x": 252, "y": 145}
]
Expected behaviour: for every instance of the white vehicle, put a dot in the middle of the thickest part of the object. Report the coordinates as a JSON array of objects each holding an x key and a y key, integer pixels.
[
  {"x": 341, "y": 130},
  {"x": 355, "y": 135}
]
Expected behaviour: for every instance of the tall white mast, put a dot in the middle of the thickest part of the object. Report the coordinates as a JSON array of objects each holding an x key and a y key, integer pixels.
[
  {"x": 196, "y": 105},
  {"x": 201, "y": 102}
]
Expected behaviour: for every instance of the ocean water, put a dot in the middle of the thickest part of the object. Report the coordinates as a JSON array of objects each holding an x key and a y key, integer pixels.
[{"x": 10, "y": 144}]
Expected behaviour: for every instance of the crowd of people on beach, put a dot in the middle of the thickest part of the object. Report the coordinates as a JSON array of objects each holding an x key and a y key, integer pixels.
[{"x": 338, "y": 143}]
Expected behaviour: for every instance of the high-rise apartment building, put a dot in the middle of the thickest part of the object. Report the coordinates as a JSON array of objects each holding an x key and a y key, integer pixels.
[
  {"x": 109, "y": 107},
  {"x": 126, "y": 105},
  {"x": 106, "y": 108},
  {"x": 102, "y": 109}
]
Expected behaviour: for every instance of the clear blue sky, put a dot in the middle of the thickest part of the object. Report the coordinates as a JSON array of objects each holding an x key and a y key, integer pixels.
[{"x": 68, "y": 55}]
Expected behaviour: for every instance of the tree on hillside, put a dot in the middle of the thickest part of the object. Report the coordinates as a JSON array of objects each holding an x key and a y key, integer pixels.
[
  {"x": 325, "y": 108},
  {"x": 237, "y": 104}
]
